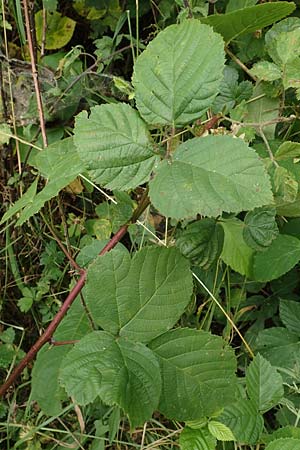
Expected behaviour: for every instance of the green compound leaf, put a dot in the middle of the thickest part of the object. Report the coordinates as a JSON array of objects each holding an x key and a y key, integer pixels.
[
  {"x": 115, "y": 145},
  {"x": 198, "y": 373},
  {"x": 247, "y": 20},
  {"x": 290, "y": 315},
  {"x": 59, "y": 29},
  {"x": 210, "y": 175},
  {"x": 119, "y": 371},
  {"x": 280, "y": 257},
  {"x": 142, "y": 297},
  {"x": 178, "y": 75},
  {"x": 236, "y": 253},
  {"x": 284, "y": 444},
  {"x": 200, "y": 439},
  {"x": 244, "y": 421},
  {"x": 264, "y": 384},
  {"x": 260, "y": 228},
  {"x": 202, "y": 242}
]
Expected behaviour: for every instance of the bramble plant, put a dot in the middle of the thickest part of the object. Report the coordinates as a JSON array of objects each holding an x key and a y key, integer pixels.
[{"x": 211, "y": 154}]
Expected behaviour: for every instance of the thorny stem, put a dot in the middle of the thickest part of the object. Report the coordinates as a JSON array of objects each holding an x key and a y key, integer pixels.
[
  {"x": 35, "y": 74},
  {"x": 48, "y": 333}
]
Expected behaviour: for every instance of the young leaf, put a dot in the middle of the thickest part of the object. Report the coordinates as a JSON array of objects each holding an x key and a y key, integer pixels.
[
  {"x": 220, "y": 431},
  {"x": 243, "y": 419},
  {"x": 264, "y": 384},
  {"x": 290, "y": 315},
  {"x": 198, "y": 373},
  {"x": 142, "y": 297},
  {"x": 119, "y": 371},
  {"x": 199, "y": 439},
  {"x": 247, "y": 20},
  {"x": 210, "y": 175},
  {"x": 280, "y": 257},
  {"x": 115, "y": 145},
  {"x": 202, "y": 242},
  {"x": 236, "y": 253},
  {"x": 260, "y": 228},
  {"x": 284, "y": 444},
  {"x": 177, "y": 77}
]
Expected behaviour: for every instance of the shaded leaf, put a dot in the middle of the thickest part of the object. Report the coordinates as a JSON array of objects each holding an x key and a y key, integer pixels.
[
  {"x": 280, "y": 257},
  {"x": 260, "y": 228},
  {"x": 236, "y": 253},
  {"x": 202, "y": 242},
  {"x": 198, "y": 373},
  {"x": 142, "y": 297},
  {"x": 247, "y": 20},
  {"x": 22, "y": 202},
  {"x": 281, "y": 348},
  {"x": 178, "y": 75},
  {"x": 290, "y": 315},
  {"x": 210, "y": 175},
  {"x": 264, "y": 384},
  {"x": 244, "y": 421},
  {"x": 59, "y": 29},
  {"x": 115, "y": 145},
  {"x": 119, "y": 371}
]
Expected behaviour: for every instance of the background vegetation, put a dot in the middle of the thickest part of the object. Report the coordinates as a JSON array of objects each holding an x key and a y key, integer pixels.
[{"x": 170, "y": 131}]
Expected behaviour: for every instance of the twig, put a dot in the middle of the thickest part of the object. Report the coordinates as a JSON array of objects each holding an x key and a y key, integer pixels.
[
  {"x": 35, "y": 74},
  {"x": 239, "y": 63},
  {"x": 48, "y": 333},
  {"x": 188, "y": 7},
  {"x": 262, "y": 124}
]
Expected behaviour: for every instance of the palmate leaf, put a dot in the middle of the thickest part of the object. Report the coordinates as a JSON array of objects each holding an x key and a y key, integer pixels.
[
  {"x": 177, "y": 77},
  {"x": 210, "y": 175},
  {"x": 120, "y": 371},
  {"x": 198, "y": 373},
  {"x": 247, "y": 20},
  {"x": 115, "y": 145},
  {"x": 142, "y": 297},
  {"x": 264, "y": 384}
]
